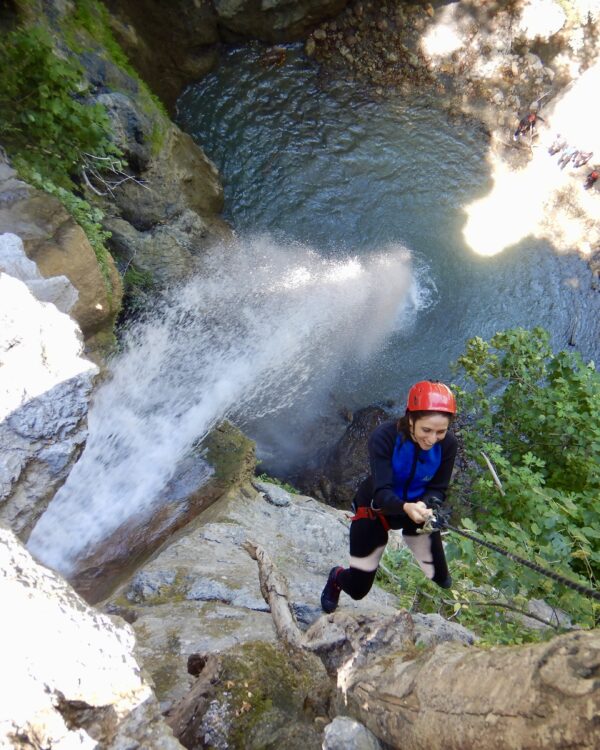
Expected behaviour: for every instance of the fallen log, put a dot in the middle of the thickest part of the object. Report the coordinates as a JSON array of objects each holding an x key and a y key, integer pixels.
[{"x": 455, "y": 698}]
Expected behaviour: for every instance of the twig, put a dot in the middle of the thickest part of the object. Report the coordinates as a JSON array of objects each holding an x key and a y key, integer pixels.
[
  {"x": 89, "y": 184},
  {"x": 495, "y": 476}
]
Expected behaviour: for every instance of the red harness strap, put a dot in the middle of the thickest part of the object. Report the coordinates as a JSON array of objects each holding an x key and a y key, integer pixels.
[{"x": 365, "y": 512}]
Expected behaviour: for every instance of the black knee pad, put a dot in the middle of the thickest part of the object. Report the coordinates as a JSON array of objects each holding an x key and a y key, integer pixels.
[{"x": 357, "y": 583}]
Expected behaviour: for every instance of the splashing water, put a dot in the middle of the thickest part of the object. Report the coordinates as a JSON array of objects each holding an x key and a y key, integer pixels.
[{"x": 260, "y": 327}]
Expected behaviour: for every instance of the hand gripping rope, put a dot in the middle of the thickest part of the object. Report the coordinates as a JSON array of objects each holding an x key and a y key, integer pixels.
[{"x": 439, "y": 521}]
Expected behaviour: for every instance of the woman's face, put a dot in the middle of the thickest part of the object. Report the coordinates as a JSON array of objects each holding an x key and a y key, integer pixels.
[{"x": 429, "y": 430}]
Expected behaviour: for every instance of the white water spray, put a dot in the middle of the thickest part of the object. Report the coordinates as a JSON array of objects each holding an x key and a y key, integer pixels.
[{"x": 261, "y": 326}]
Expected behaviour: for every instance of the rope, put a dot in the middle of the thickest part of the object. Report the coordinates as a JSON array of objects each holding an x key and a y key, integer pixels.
[{"x": 439, "y": 521}]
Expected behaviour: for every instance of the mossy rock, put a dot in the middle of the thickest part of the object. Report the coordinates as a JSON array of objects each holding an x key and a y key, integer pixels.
[
  {"x": 231, "y": 454},
  {"x": 259, "y": 695}
]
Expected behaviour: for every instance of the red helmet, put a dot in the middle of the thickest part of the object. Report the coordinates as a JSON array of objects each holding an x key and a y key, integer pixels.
[{"x": 427, "y": 395}]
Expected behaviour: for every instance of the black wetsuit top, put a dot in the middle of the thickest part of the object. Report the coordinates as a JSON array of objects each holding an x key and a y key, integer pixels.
[{"x": 378, "y": 487}]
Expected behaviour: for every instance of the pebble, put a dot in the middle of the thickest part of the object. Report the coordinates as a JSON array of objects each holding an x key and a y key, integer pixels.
[{"x": 320, "y": 34}]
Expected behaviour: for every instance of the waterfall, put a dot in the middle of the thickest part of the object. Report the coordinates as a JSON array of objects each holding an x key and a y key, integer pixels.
[{"x": 259, "y": 326}]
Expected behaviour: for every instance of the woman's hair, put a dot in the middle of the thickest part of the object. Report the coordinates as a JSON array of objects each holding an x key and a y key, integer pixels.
[{"x": 403, "y": 424}]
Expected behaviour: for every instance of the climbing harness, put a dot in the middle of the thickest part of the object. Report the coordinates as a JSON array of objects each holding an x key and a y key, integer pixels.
[
  {"x": 439, "y": 521},
  {"x": 365, "y": 512}
]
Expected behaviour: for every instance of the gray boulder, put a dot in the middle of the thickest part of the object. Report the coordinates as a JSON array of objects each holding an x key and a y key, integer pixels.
[
  {"x": 345, "y": 733},
  {"x": 45, "y": 386},
  {"x": 69, "y": 674}
]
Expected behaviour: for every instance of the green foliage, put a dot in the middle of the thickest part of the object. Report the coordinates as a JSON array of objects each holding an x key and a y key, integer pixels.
[
  {"x": 536, "y": 415},
  {"x": 495, "y": 618},
  {"x": 45, "y": 122},
  {"x": 284, "y": 485}
]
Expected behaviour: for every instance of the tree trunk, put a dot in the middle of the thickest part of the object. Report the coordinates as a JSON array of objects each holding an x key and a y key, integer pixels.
[
  {"x": 451, "y": 697},
  {"x": 456, "y": 698}
]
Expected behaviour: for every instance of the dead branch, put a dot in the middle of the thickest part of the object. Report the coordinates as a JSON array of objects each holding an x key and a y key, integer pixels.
[
  {"x": 274, "y": 589},
  {"x": 495, "y": 476}
]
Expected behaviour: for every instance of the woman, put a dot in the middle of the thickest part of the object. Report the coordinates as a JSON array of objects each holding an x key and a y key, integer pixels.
[{"x": 411, "y": 464}]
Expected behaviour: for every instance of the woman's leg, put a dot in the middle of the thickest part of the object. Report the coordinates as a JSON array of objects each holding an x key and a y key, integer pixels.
[
  {"x": 367, "y": 543},
  {"x": 428, "y": 551}
]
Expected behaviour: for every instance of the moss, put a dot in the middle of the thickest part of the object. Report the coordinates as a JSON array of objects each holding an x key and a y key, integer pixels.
[
  {"x": 231, "y": 454},
  {"x": 267, "y": 687}
]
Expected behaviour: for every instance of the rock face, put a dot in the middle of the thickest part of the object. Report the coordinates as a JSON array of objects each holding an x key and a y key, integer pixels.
[
  {"x": 172, "y": 44},
  {"x": 348, "y": 462},
  {"x": 142, "y": 29},
  {"x": 223, "y": 460},
  {"x": 69, "y": 674},
  {"x": 60, "y": 247},
  {"x": 273, "y": 21},
  {"x": 45, "y": 386},
  {"x": 201, "y": 594},
  {"x": 166, "y": 217}
]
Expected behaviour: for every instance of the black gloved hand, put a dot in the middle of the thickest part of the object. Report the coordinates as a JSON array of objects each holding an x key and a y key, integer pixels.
[
  {"x": 431, "y": 501},
  {"x": 442, "y": 515}
]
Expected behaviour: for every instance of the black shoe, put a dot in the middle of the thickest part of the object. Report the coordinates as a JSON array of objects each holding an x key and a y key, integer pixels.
[{"x": 331, "y": 593}]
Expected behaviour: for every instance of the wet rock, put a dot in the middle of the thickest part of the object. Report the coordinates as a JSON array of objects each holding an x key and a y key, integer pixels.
[
  {"x": 348, "y": 463},
  {"x": 222, "y": 461}
]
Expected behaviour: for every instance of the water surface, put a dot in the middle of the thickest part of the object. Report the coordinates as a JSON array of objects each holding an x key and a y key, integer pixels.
[{"x": 312, "y": 159}]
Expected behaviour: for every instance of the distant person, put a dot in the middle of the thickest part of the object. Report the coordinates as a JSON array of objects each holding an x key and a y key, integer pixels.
[
  {"x": 582, "y": 158},
  {"x": 527, "y": 125},
  {"x": 566, "y": 156},
  {"x": 591, "y": 179},
  {"x": 411, "y": 463},
  {"x": 558, "y": 144}
]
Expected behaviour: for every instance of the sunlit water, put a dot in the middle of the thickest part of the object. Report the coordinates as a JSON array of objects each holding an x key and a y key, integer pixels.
[
  {"x": 349, "y": 281},
  {"x": 318, "y": 160}
]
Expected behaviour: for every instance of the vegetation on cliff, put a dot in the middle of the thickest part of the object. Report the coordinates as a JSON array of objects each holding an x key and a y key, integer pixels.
[
  {"x": 59, "y": 139},
  {"x": 47, "y": 127}
]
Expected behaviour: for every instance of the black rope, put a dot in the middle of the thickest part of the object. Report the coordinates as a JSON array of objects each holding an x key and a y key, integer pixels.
[
  {"x": 528, "y": 564},
  {"x": 440, "y": 521}
]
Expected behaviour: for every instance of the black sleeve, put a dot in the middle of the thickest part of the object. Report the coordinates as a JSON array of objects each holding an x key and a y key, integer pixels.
[
  {"x": 381, "y": 450},
  {"x": 441, "y": 479}
]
